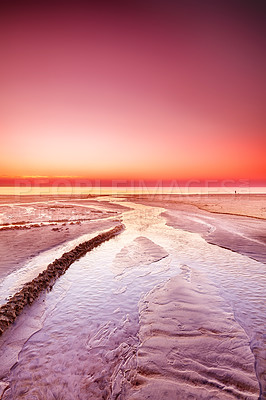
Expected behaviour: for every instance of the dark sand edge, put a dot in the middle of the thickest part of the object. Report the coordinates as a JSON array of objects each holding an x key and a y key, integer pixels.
[
  {"x": 172, "y": 202},
  {"x": 46, "y": 279},
  {"x": 217, "y": 238},
  {"x": 227, "y": 213},
  {"x": 247, "y": 247}
]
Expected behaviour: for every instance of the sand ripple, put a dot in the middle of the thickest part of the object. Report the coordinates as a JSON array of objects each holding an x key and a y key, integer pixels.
[
  {"x": 190, "y": 346},
  {"x": 141, "y": 251}
]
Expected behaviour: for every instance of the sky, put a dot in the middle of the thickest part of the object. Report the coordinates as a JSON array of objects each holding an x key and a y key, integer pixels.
[{"x": 133, "y": 90}]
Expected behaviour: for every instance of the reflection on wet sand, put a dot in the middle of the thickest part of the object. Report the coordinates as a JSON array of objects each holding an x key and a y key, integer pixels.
[
  {"x": 99, "y": 335},
  {"x": 31, "y": 290}
]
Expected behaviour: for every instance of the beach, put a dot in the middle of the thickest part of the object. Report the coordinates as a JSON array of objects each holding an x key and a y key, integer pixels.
[
  {"x": 47, "y": 224},
  {"x": 172, "y": 307}
]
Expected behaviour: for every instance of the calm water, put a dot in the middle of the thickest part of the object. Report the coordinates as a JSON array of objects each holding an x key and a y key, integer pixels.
[{"x": 87, "y": 325}]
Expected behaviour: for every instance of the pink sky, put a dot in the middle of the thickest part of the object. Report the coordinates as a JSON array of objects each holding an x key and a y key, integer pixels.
[{"x": 150, "y": 94}]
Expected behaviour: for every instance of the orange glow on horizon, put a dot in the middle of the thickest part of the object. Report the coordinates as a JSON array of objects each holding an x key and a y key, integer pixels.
[{"x": 106, "y": 95}]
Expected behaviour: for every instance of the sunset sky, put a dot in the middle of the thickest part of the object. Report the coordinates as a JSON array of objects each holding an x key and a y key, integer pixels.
[{"x": 149, "y": 91}]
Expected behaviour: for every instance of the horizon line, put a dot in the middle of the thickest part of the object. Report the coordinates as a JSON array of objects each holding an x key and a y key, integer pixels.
[{"x": 130, "y": 183}]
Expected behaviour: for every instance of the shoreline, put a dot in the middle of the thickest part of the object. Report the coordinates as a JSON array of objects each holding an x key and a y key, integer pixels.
[
  {"x": 173, "y": 200},
  {"x": 46, "y": 279},
  {"x": 242, "y": 233},
  {"x": 201, "y": 375},
  {"x": 19, "y": 246}
]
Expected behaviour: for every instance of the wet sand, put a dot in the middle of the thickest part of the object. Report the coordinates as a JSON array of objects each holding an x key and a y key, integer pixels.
[
  {"x": 195, "y": 336},
  {"x": 46, "y": 279},
  {"x": 214, "y": 218},
  {"x": 190, "y": 347},
  {"x": 249, "y": 205},
  {"x": 18, "y": 246},
  {"x": 39, "y": 230}
]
